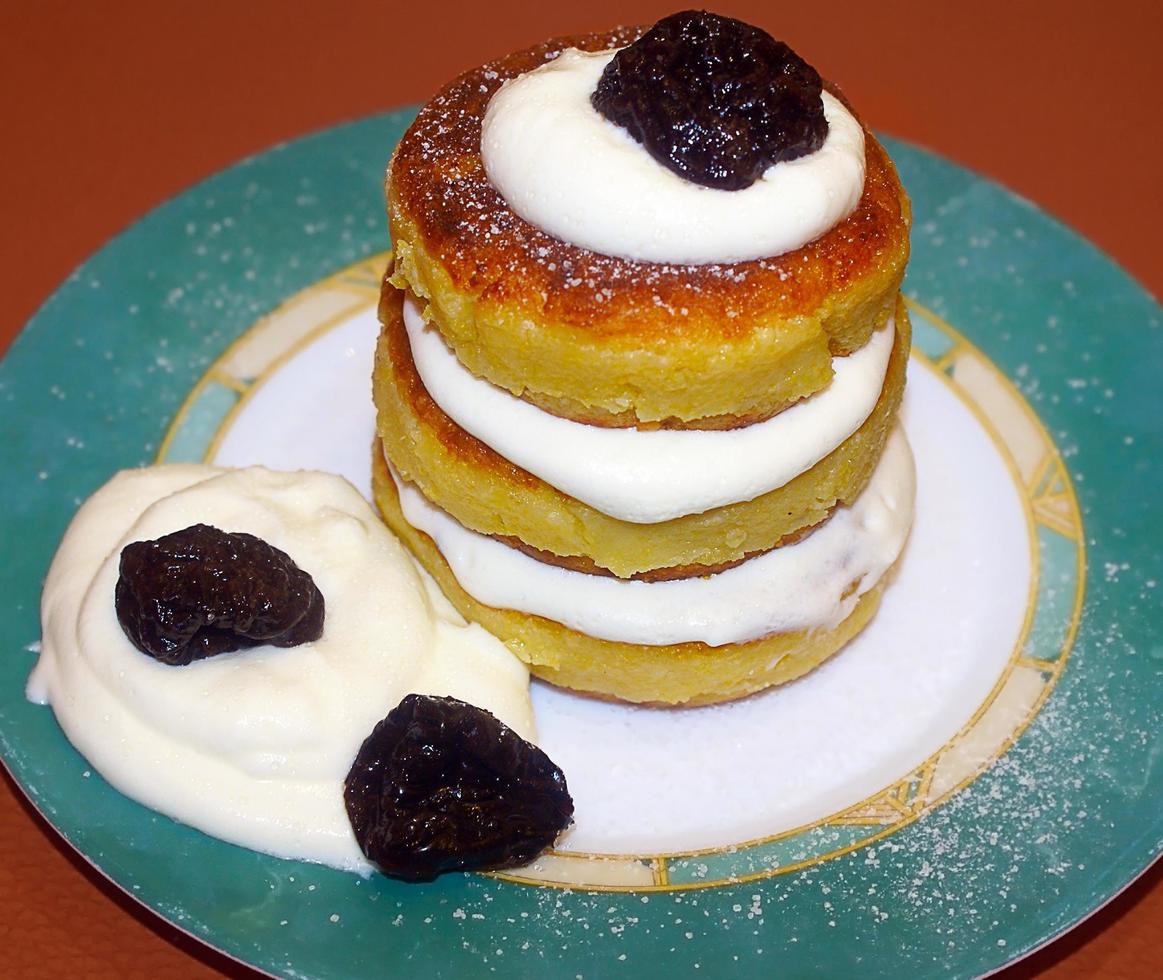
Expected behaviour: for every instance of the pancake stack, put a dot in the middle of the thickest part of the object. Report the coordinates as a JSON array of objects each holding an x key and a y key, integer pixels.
[{"x": 503, "y": 342}]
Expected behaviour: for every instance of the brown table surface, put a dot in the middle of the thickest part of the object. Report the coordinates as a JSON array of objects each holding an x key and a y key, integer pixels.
[{"x": 112, "y": 108}]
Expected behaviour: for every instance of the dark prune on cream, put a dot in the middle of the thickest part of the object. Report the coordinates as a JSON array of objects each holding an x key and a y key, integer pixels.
[
  {"x": 441, "y": 785},
  {"x": 714, "y": 99},
  {"x": 200, "y": 591}
]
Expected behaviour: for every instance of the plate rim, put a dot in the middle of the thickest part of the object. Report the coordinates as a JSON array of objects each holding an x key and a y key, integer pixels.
[{"x": 22, "y": 340}]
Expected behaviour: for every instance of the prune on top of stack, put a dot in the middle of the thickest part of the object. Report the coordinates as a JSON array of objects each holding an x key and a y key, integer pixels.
[{"x": 715, "y": 100}]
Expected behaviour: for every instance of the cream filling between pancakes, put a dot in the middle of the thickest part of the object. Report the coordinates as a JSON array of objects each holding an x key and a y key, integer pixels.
[
  {"x": 813, "y": 583},
  {"x": 565, "y": 168},
  {"x": 646, "y": 477}
]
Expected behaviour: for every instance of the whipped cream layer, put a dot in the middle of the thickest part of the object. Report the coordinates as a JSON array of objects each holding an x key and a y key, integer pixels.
[
  {"x": 565, "y": 168},
  {"x": 253, "y": 746},
  {"x": 814, "y": 583},
  {"x": 650, "y": 476}
]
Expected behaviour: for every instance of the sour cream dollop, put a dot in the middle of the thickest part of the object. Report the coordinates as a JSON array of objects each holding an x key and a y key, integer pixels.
[
  {"x": 253, "y": 746},
  {"x": 565, "y": 168}
]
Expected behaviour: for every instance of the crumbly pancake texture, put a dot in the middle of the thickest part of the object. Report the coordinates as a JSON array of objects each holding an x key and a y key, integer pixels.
[
  {"x": 613, "y": 341},
  {"x": 678, "y": 674},
  {"x": 488, "y": 493}
]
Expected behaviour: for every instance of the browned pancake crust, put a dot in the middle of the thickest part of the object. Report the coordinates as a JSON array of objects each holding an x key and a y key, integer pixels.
[
  {"x": 605, "y": 339},
  {"x": 580, "y": 563},
  {"x": 591, "y": 415}
]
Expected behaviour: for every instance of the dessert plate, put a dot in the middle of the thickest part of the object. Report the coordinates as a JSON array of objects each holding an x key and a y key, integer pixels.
[{"x": 236, "y": 316}]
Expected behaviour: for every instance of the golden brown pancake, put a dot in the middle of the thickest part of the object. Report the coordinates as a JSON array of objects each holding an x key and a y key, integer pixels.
[
  {"x": 580, "y": 563},
  {"x": 487, "y": 493},
  {"x": 613, "y": 341}
]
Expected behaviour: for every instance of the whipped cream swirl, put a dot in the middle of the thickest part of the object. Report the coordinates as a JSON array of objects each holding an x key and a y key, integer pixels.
[
  {"x": 253, "y": 746},
  {"x": 577, "y": 176}
]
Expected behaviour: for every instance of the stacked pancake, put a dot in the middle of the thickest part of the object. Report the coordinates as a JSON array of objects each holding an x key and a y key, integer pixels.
[{"x": 672, "y": 481}]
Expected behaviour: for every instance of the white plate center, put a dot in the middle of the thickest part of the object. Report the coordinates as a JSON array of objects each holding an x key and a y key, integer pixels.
[{"x": 646, "y": 780}]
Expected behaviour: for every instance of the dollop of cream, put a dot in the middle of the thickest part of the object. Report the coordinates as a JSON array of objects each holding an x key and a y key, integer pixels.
[
  {"x": 565, "y": 168},
  {"x": 650, "y": 476},
  {"x": 811, "y": 584},
  {"x": 253, "y": 746}
]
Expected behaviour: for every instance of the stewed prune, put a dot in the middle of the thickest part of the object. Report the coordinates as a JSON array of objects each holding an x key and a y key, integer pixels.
[
  {"x": 714, "y": 99},
  {"x": 441, "y": 785},
  {"x": 201, "y": 591}
]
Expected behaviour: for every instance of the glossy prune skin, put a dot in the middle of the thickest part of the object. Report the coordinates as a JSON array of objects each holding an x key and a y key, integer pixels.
[
  {"x": 201, "y": 591},
  {"x": 441, "y": 785},
  {"x": 714, "y": 99}
]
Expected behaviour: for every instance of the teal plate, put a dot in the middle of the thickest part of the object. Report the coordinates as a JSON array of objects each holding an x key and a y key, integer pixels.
[{"x": 1070, "y": 814}]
